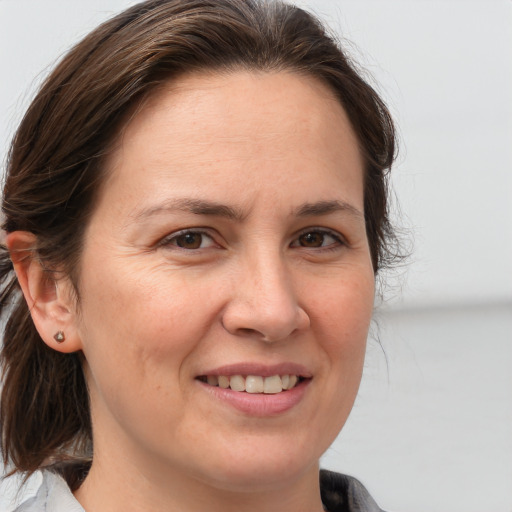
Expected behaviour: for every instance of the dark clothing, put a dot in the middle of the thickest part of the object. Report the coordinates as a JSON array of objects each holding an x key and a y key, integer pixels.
[{"x": 342, "y": 493}]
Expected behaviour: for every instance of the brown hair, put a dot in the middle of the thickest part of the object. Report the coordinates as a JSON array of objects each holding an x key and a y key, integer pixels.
[{"x": 54, "y": 171}]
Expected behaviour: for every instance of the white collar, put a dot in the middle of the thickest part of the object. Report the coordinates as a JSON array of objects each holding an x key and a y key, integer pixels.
[{"x": 53, "y": 495}]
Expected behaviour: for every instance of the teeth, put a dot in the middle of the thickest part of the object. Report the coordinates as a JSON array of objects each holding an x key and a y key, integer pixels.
[
  {"x": 293, "y": 381},
  {"x": 272, "y": 384},
  {"x": 237, "y": 383},
  {"x": 223, "y": 381},
  {"x": 254, "y": 383},
  {"x": 212, "y": 380}
]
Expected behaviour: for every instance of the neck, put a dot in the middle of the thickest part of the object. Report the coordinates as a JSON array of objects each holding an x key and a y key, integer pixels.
[{"x": 120, "y": 490}]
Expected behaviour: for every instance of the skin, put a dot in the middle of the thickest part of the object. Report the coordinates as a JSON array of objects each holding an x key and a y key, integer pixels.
[{"x": 252, "y": 287}]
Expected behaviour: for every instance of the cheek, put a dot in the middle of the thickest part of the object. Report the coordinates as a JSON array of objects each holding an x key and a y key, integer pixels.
[
  {"x": 136, "y": 337},
  {"x": 127, "y": 301},
  {"x": 145, "y": 321},
  {"x": 343, "y": 312}
]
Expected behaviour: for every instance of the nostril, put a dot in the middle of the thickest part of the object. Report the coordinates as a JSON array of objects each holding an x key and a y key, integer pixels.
[
  {"x": 248, "y": 332},
  {"x": 255, "y": 334},
  {"x": 264, "y": 322}
]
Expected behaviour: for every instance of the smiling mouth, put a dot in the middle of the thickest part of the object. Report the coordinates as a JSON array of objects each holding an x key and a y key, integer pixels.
[{"x": 253, "y": 383}]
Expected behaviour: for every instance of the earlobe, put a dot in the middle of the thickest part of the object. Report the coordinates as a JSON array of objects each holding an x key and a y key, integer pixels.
[{"x": 49, "y": 300}]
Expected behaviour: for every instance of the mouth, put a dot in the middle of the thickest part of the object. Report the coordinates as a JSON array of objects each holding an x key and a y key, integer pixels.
[{"x": 254, "y": 384}]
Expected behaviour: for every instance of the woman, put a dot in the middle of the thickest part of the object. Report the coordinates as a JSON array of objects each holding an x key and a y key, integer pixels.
[{"x": 195, "y": 215}]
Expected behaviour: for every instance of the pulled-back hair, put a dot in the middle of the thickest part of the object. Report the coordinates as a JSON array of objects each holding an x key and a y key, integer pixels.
[{"x": 54, "y": 172}]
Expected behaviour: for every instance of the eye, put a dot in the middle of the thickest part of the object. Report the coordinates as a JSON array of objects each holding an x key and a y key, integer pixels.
[
  {"x": 189, "y": 240},
  {"x": 318, "y": 238}
]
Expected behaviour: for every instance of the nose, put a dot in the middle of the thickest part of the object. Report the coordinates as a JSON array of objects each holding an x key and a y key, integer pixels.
[{"x": 264, "y": 304}]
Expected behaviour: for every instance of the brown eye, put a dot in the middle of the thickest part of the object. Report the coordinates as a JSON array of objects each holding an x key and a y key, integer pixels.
[
  {"x": 189, "y": 240},
  {"x": 318, "y": 239},
  {"x": 312, "y": 239}
]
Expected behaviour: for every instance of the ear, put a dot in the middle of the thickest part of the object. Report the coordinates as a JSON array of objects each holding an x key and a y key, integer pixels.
[{"x": 50, "y": 301}]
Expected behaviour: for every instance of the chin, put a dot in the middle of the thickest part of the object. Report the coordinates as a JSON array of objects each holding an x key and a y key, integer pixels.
[
  {"x": 264, "y": 467},
  {"x": 262, "y": 478}
]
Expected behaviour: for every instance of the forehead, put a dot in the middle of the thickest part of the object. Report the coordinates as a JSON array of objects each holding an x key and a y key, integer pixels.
[{"x": 246, "y": 126}]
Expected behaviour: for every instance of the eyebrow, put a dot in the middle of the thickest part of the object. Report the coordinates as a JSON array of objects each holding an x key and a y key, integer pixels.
[
  {"x": 326, "y": 207},
  {"x": 203, "y": 207},
  {"x": 196, "y": 206}
]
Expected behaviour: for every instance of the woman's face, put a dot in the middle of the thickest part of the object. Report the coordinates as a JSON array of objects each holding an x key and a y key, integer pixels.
[{"x": 228, "y": 240}]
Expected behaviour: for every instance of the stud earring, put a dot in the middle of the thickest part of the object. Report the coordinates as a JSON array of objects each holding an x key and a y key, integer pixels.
[{"x": 59, "y": 337}]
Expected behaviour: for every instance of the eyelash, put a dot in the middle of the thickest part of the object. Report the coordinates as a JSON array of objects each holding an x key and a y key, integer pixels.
[
  {"x": 168, "y": 240},
  {"x": 339, "y": 241}
]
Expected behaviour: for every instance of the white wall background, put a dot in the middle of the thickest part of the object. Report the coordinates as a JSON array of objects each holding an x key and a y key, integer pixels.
[{"x": 434, "y": 431}]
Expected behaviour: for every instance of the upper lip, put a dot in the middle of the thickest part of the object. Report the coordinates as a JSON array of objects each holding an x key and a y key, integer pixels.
[{"x": 263, "y": 370}]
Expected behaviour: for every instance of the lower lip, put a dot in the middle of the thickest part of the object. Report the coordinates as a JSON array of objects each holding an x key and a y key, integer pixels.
[{"x": 259, "y": 404}]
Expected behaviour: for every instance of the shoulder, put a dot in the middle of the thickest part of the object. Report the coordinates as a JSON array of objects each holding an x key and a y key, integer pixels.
[
  {"x": 53, "y": 495},
  {"x": 342, "y": 493}
]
